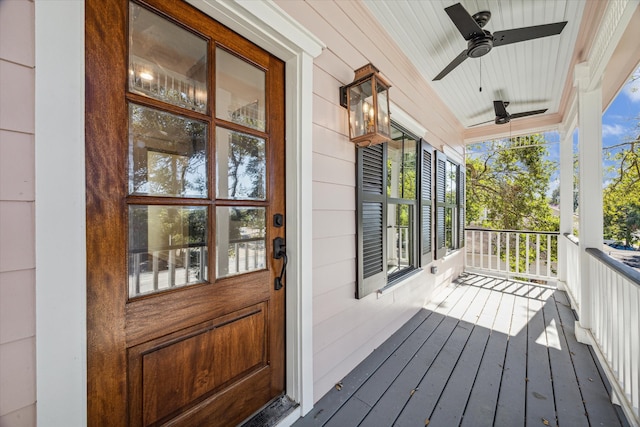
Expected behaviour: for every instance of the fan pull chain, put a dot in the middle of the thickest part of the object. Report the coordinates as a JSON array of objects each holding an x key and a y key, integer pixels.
[{"x": 480, "y": 74}]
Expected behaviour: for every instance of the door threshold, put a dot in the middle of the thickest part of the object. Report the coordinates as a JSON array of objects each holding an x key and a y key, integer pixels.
[{"x": 272, "y": 413}]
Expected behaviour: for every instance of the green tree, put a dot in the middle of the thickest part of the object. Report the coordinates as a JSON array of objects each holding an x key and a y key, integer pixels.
[
  {"x": 507, "y": 184},
  {"x": 621, "y": 197}
]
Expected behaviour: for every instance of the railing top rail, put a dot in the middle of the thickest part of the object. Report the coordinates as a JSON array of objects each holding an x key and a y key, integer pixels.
[
  {"x": 552, "y": 233},
  {"x": 573, "y": 239},
  {"x": 629, "y": 273}
]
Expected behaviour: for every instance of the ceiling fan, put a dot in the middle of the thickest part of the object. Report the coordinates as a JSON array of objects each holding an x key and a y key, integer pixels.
[
  {"x": 503, "y": 117},
  {"x": 480, "y": 41}
]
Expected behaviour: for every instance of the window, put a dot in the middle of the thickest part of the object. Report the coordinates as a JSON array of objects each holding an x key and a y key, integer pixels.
[
  {"x": 394, "y": 210},
  {"x": 403, "y": 196},
  {"x": 450, "y": 179}
]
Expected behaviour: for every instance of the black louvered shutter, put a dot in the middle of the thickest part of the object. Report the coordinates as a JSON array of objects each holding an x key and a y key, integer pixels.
[
  {"x": 426, "y": 204},
  {"x": 371, "y": 217},
  {"x": 461, "y": 204},
  {"x": 441, "y": 170}
]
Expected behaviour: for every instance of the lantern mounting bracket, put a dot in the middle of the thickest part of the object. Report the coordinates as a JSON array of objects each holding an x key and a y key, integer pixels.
[{"x": 343, "y": 96}]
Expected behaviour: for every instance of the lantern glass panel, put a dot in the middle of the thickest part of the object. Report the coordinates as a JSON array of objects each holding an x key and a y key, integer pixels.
[
  {"x": 384, "y": 125},
  {"x": 362, "y": 113}
]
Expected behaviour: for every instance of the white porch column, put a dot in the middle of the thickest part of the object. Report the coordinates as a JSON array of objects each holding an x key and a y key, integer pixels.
[
  {"x": 590, "y": 195},
  {"x": 566, "y": 201}
]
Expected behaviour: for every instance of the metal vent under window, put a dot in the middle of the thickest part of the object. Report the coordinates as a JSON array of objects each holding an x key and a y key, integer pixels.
[{"x": 372, "y": 242}]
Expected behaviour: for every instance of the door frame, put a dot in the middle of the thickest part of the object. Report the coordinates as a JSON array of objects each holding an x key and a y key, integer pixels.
[{"x": 61, "y": 372}]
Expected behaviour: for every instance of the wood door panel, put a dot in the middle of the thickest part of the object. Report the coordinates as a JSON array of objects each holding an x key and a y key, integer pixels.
[
  {"x": 208, "y": 354},
  {"x": 170, "y": 312},
  {"x": 231, "y": 406},
  {"x": 170, "y": 375}
]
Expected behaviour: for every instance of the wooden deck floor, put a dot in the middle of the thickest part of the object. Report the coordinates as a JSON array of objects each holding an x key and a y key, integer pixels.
[{"x": 485, "y": 352}]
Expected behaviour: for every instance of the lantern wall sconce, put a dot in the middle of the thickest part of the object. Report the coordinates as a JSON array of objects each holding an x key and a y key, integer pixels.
[{"x": 367, "y": 102}]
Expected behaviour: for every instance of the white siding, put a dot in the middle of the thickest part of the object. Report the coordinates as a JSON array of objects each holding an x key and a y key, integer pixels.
[{"x": 345, "y": 329}]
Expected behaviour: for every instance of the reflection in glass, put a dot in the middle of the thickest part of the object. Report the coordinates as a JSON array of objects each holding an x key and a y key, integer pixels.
[
  {"x": 240, "y": 240},
  {"x": 243, "y": 174},
  {"x": 240, "y": 91},
  {"x": 451, "y": 180},
  {"x": 166, "y": 62},
  {"x": 167, "y": 247},
  {"x": 168, "y": 154},
  {"x": 399, "y": 237},
  {"x": 401, "y": 166}
]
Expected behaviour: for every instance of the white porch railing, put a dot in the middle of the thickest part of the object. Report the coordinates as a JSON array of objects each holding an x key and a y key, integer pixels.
[
  {"x": 399, "y": 245},
  {"x": 615, "y": 325},
  {"x": 573, "y": 269},
  {"x": 513, "y": 253},
  {"x": 614, "y": 290}
]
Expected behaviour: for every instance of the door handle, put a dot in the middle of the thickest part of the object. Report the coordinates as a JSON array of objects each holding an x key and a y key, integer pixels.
[{"x": 279, "y": 251}]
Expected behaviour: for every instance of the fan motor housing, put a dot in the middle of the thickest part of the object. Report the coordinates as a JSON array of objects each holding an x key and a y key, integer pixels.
[
  {"x": 502, "y": 120},
  {"x": 480, "y": 46}
]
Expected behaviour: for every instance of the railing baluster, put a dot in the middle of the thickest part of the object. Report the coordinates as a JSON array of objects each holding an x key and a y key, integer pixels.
[
  {"x": 508, "y": 255},
  {"x": 549, "y": 254},
  {"x": 537, "y": 254},
  {"x": 473, "y": 248},
  {"x": 481, "y": 249},
  {"x": 526, "y": 254},
  {"x": 186, "y": 264},
  {"x": 155, "y": 268},
  {"x": 498, "y": 266},
  {"x": 490, "y": 249},
  {"x": 136, "y": 272},
  {"x": 517, "y": 253},
  {"x": 237, "y": 256},
  {"x": 172, "y": 268}
]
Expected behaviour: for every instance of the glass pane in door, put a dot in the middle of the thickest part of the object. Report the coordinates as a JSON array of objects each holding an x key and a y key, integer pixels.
[
  {"x": 167, "y": 154},
  {"x": 167, "y": 247},
  {"x": 240, "y": 91},
  {"x": 240, "y": 166},
  {"x": 166, "y": 62},
  {"x": 240, "y": 240}
]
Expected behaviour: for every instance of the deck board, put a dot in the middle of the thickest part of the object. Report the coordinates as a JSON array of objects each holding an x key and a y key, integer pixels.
[
  {"x": 540, "y": 398},
  {"x": 484, "y": 352},
  {"x": 570, "y": 410}
]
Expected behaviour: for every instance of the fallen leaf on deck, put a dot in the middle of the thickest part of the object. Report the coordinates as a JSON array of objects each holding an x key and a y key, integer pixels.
[
  {"x": 426, "y": 422},
  {"x": 545, "y": 422},
  {"x": 339, "y": 386},
  {"x": 591, "y": 379},
  {"x": 412, "y": 391}
]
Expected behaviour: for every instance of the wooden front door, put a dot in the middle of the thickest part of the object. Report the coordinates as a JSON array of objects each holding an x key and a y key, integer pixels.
[{"x": 185, "y": 196}]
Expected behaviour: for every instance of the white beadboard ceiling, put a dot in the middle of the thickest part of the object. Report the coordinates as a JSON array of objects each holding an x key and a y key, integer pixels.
[{"x": 530, "y": 75}]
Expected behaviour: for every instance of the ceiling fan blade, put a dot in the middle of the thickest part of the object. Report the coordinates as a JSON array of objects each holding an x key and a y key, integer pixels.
[
  {"x": 467, "y": 26},
  {"x": 481, "y": 123},
  {"x": 500, "y": 109},
  {"x": 453, "y": 64},
  {"x": 516, "y": 35},
  {"x": 527, "y": 113}
]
